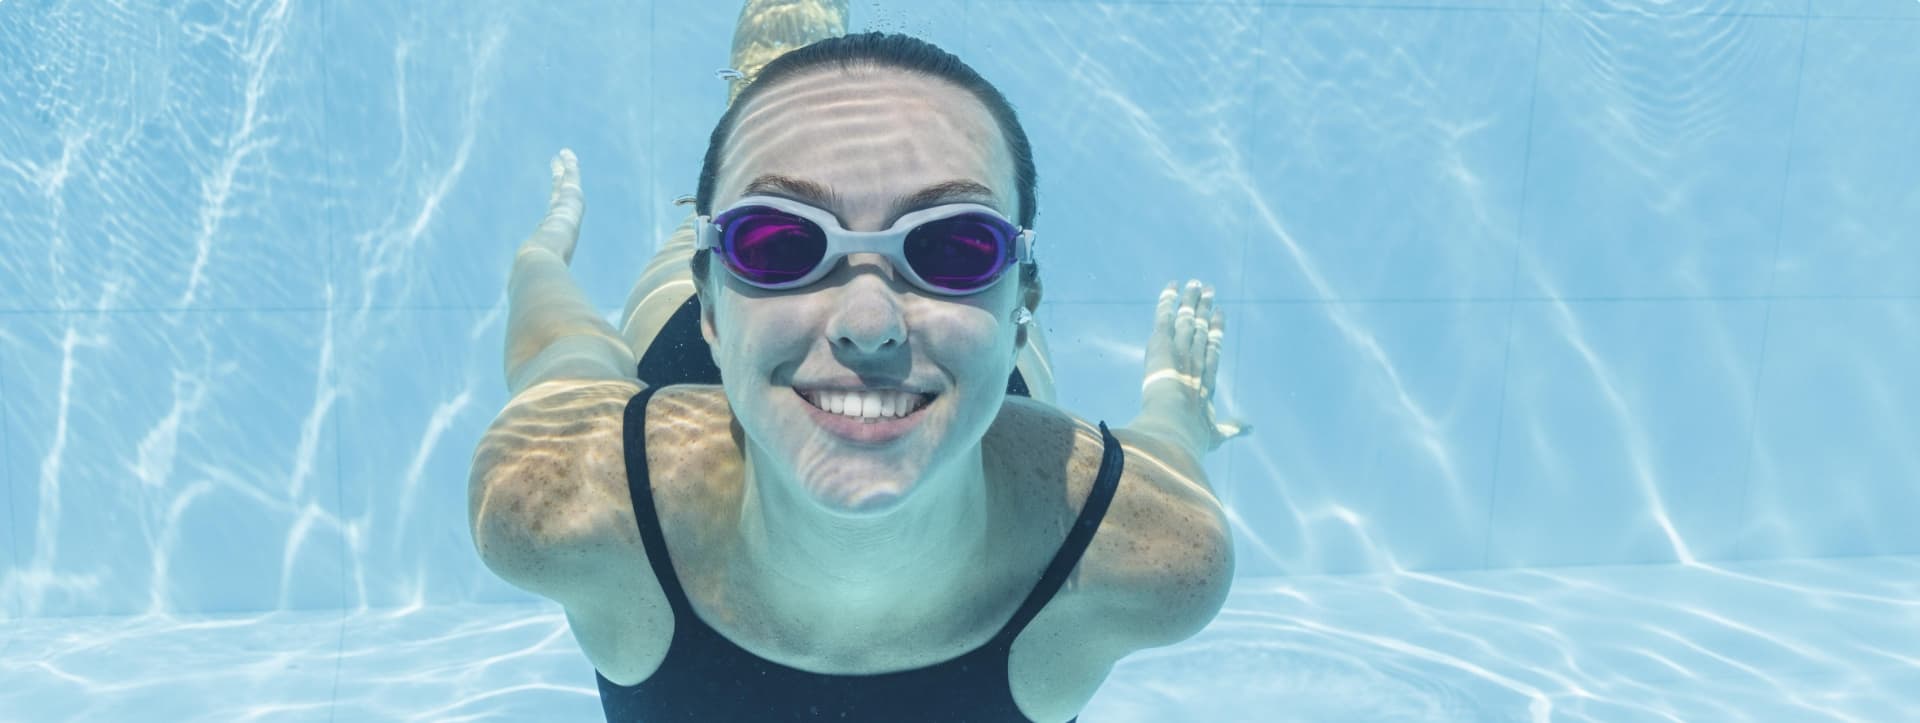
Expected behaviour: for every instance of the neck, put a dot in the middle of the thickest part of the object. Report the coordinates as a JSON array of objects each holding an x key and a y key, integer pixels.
[{"x": 801, "y": 555}]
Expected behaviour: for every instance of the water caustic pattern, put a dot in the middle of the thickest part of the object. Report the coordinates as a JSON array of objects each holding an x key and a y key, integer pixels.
[
  {"x": 1517, "y": 284},
  {"x": 1769, "y": 641}
]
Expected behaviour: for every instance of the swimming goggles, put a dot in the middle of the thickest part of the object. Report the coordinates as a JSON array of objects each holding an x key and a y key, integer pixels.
[{"x": 774, "y": 243}]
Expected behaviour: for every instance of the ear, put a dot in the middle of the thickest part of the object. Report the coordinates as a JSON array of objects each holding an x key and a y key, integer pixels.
[
  {"x": 707, "y": 328},
  {"x": 700, "y": 292},
  {"x": 1031, "y": 291}
]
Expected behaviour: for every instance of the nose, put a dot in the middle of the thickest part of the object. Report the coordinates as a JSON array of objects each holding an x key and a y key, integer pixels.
[{"x": 869, "y": 320}]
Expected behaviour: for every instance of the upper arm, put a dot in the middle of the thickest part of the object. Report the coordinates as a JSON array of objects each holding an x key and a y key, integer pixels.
[
  {"x": 547, "y": 493},
  {"x": 1166, "y": 562}
]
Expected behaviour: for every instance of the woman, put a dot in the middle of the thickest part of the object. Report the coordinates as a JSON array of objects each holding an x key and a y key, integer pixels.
[{"x": 858, "y": 522}]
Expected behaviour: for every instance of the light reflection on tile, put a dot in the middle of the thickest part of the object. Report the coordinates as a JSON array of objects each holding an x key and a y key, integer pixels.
[
  {"x": 1374, "y": 434},
  {"x": 1626, "y": 430},
  {"x": 1833, "y": 457},
  {"x": 1851, "y": 226},
  {"x": 414, "y": 407},
  {"x": 1141, "y": 147},
  {"x": 172, "y": 462},
  {"x": 1658, "y": 151},
  {"x": 1728, "y": 642},
  {"x": 1387, "y": 154}
]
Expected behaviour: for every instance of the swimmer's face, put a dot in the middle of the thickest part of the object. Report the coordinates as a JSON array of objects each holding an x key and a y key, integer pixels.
[{"x": 861, "y": 145}]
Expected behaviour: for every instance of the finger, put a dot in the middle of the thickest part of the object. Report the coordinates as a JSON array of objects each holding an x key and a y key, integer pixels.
[
  {"x": 1160, "y": 342},
  {"x": 1197, "y": 348},
  {"x": 1183, "y": 329},
  {"x": 1216, "y": 330},
  {"x": 1202, "y": 326}
]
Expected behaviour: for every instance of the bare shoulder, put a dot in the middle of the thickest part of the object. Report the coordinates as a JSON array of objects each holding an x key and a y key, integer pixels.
[
  {"x": 1162, "y": 561},
  {"x": 547, "y": 492}
]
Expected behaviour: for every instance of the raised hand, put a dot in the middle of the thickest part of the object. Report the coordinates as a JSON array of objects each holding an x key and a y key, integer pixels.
[{"x": 1183, "y": 358}]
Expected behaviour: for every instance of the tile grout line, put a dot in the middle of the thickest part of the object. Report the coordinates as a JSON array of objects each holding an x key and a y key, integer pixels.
[
  {"x": 1740, "y": 542},
  {"x": 1277, "y": 301},
  {"x": 1513, "y": 283},
  {"x": 1229, "y": 487}
]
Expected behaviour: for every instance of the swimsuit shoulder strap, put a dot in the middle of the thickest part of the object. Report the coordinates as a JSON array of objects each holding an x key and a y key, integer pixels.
[
  {"x": 1112, "y": 461},
  {"x": 640, "y": 488}
]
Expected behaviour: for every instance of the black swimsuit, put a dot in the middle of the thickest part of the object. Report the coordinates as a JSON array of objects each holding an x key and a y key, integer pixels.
[{"x": 706, "y": 677}]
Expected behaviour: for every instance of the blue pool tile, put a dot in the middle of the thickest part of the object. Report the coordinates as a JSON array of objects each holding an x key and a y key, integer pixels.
[
  {"x": 1903, "y": 9},
  {"x": 1393, "y": 4},
  {"x": 10, "y": 525},
  {"x": 1373, "y": 435},
  {"x": 440, "y": 132},
  {"x": 1852, "y": 219},
  {"x": 1681, "y": 8},
  {"x": 1645, "y": 180},
  {"x": 941, "y": 22},
  {"x": 689, "y": 44},
  {"x": 1624, "y": 421},
  {"x": 1386, "y": 157},
  {"x": 412, "y": 409},
  {"x": 1414, "y": 4},
  {"x": 1140, "y": 145},
  {"x": 173, "y": 462},
  {"x": 1834, "y": 459},
  {"x": 164, "y": 160}
]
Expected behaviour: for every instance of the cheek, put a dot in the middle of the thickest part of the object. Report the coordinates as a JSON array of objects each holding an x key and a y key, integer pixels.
[
  {"x": 746, "y": 334},
  {"x": 976, "y": 342}
]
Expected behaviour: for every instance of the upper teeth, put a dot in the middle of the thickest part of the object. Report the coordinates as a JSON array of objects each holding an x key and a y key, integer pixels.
[{"x": 866, "y": 404}]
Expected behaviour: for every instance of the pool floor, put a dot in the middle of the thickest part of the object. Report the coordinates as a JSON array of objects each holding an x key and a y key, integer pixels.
[{"x": 1832, "y": 639}]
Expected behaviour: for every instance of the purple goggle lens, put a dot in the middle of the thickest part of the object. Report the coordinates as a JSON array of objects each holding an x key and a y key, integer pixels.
[{"x": 769, "y": 247}]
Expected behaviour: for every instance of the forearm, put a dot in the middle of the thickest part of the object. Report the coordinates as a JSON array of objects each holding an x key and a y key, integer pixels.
[
  {"x": 552, "y": 331},
  {"x": 1168, "y": 445}
]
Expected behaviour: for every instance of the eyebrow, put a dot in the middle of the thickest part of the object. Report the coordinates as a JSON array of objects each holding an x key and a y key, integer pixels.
[{"x": 822, "y": 195}]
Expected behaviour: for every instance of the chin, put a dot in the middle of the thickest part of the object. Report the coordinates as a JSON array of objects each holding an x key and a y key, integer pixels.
[{"x": 853, "y": 488}]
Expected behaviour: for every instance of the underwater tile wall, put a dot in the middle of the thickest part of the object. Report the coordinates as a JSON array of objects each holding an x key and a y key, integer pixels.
[
  {"x": 1851, "y": 226},
  {"x": 1401, "y": 181},
  {"x": 170, "y": 461},
  {"x": 1625, "y": 431},
  {"x": 1834, "y": 463},
  {"x": 1657, "y": 165},
  {"x": 1139, "y": 147},
  {"x": 1615, "y": 282},
  {"x": 443, "y": 119},
  {"x": 1374, "y": 436},
  {"x": 149, "y": 158},
  {"x": 405, "y": 444}
]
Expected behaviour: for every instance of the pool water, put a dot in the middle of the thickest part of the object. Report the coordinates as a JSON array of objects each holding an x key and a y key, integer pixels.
[
  {"x": 1765, "y": 641},
  {"x": 1578, "y": 338}
]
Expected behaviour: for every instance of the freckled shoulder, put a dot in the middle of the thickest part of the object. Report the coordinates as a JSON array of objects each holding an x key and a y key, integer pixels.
[
  {"x": 1160, "y": 565},
  {"x": 547, "y": 495},
  {"x": 694, "y": 454}
]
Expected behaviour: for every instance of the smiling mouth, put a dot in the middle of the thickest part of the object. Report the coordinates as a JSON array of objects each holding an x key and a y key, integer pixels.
[{"x": 866, "y": 406}]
